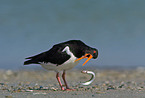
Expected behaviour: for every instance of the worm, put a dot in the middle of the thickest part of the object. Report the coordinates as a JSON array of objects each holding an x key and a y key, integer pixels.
[{"x": 92, "y": 78}]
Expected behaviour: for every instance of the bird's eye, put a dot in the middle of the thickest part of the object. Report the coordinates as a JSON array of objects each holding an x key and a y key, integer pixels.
[{"x": 94, "y": 51}]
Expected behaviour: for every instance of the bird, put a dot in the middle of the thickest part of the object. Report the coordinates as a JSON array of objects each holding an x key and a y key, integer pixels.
[{"x": 63, "y": 56}]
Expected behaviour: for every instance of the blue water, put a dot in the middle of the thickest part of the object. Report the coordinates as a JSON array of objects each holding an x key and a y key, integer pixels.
[{"x": 115, "y": 28}]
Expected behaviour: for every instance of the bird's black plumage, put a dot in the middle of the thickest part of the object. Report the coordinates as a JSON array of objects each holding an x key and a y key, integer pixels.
[{"x": 56, "y": 56}]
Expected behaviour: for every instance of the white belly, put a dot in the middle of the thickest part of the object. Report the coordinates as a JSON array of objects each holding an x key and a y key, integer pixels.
[{"x": 58, "y": 68}]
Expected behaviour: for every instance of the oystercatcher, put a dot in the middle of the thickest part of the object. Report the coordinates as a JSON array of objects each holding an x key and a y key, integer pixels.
[{"x": 62, "y": 57}]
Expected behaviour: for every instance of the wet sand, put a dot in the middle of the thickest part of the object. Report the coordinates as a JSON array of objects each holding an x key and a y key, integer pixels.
[{"x": 43, "y": 84}]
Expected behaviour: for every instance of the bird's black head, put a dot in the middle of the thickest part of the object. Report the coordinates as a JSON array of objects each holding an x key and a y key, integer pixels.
[
  {"x": 80, "y": 49},
  {"x": 88, "y": 53},
  {"x": 91, "y": 51}
]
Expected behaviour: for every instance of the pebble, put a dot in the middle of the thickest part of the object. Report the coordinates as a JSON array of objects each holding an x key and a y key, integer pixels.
[
  {"x": 121, "y": 86},
  {"x": 99, "y": 92},
  {"x": 39, "y": 93},
  {"x": 54, "y": 89},
  {"x": 8, "y": 96},
  {"x": 29, "y": 90},
  {"x": 2, "y": 83},
  {"x": 110, "y": 87}
]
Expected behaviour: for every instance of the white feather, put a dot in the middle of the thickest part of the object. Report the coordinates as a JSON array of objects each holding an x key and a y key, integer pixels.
[{"x": 72, "y": 57}]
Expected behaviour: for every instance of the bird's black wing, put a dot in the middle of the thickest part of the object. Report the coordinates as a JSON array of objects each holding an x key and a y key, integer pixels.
[{"x": 54, "y": 56}]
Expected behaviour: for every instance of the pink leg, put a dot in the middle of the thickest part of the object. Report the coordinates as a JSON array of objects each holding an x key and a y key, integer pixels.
[
  {"x": 58, "y": 79},
  {"x": 63, "y": 77}
]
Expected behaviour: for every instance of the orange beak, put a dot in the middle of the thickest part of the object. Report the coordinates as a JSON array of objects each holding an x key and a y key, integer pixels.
[{"x": 90, "y": 56}]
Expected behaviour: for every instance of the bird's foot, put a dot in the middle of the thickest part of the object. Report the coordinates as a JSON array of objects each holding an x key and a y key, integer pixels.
[
  {"x": 67, "y": 89},
  {"x": 62, "y": 88}
]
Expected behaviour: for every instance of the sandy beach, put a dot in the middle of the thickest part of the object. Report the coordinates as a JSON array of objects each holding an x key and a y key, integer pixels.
[{"x": 43, "y": 84}]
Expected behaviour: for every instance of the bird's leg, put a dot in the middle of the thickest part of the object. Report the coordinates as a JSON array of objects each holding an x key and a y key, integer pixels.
[
  {"x": 58, "y": 79},
  {"x": 63, "y": 77}
]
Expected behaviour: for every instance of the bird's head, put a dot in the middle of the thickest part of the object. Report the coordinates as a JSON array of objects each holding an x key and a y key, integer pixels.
[
  {"x": 89, "y": 54},
  {"x": 93, "y": 52}
]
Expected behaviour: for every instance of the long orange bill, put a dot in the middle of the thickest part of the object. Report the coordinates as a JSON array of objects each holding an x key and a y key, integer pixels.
[
  {"x": 88, "y": 59},
  {"x": 90, "y": 56},
  {"x": 82, "y": 57}
]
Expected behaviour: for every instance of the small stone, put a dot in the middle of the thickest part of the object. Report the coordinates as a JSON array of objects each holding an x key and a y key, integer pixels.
[
  {"x": 99, "y": 92},
  {"x": 2, "y": 84},
  {"x": 8, "y": 96},
  {"x": 41, "y": 87},
  {"x": 45, "y": 88},
  {"x": 29, "y": 90},
  {"x": 121, "y": 86},
  {"x": 129, "y": 87},
  {"x": 54, "y": 89},
  {"x": 93, "y": 95},
  {"x": 139, "y": 88},
  {"x": 110, "y": 87}
]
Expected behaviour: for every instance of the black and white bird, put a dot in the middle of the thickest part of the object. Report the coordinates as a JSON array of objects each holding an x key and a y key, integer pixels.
[{"x": 62, "y": 57}]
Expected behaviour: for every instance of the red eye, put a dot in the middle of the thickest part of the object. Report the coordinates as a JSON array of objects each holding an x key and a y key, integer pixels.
[{"x": 94, "y": 51}]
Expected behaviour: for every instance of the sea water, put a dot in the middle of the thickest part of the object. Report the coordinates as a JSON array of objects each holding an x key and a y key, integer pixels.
[{"x": 115, "y": 28}]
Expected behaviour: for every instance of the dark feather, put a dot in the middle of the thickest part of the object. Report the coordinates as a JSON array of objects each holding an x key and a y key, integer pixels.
[{"x": 54, "y": 55}]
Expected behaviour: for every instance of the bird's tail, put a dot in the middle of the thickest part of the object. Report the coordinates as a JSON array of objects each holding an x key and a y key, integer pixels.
[
  {"x": 30, "y": 62},
  {"x": 27, "y": 62}
]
